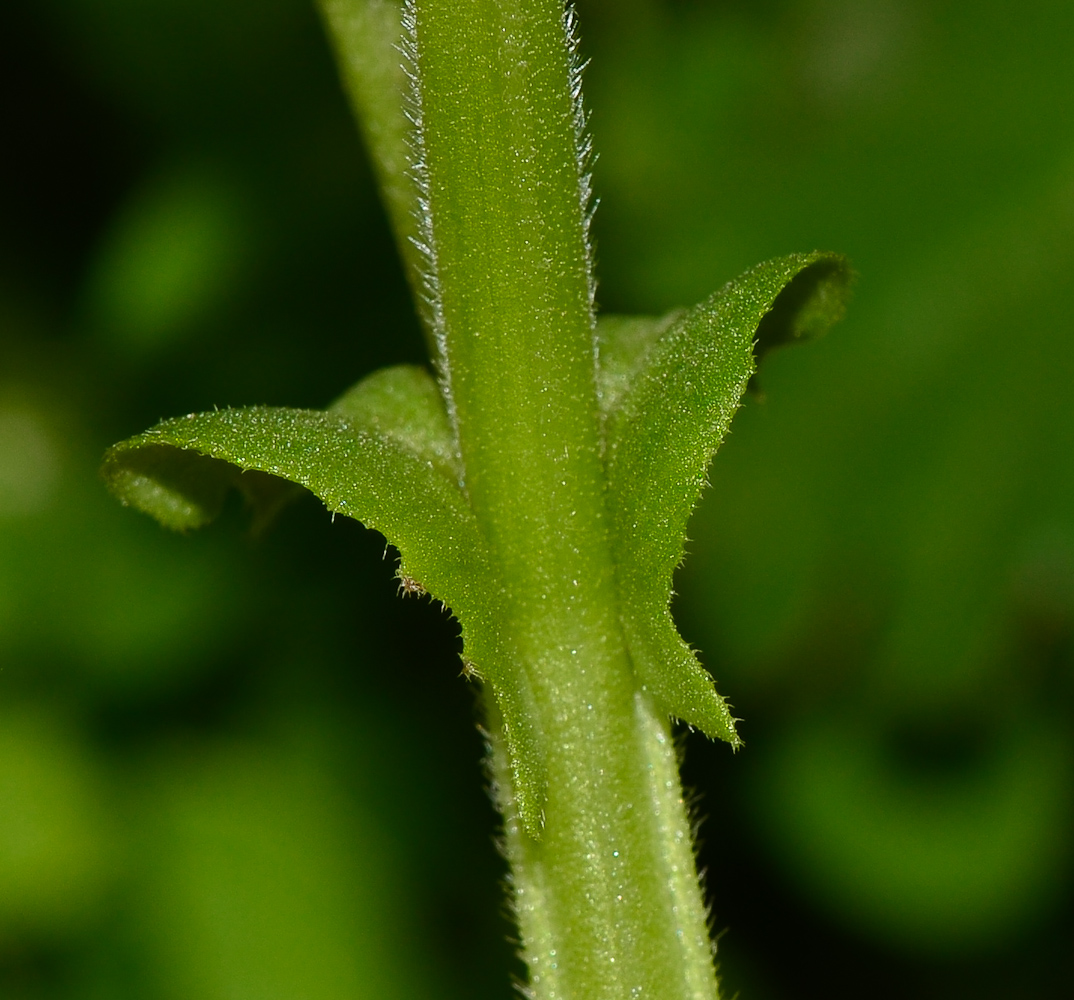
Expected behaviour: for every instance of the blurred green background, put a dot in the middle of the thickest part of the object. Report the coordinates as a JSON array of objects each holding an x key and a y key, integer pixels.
[{"x": 236, "y": 767}]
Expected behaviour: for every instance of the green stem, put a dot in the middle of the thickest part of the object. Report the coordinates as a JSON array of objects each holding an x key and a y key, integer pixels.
[
  {"x": 606, "y": 890},
  {"x": 625, "y": 921},
  {"x": 366, "y": 35}
]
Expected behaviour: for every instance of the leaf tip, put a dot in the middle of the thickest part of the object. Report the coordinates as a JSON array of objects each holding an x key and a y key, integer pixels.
[
  {"x": 138, "y": 476},
  {"x": 810, "y": 303}
]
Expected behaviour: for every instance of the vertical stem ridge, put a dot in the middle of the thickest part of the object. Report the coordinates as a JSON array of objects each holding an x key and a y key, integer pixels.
[
  {"x": 674, "y": 834},
  {"x": 366, "y": 35}
]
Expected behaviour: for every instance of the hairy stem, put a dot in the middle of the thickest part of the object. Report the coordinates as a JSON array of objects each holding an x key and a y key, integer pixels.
[
  {"x": 606, "y": 891},
  {"x": 652, "y": 940}
]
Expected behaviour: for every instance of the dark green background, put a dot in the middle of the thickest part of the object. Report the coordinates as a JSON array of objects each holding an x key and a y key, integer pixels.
[{"x": 236, "y": 767}]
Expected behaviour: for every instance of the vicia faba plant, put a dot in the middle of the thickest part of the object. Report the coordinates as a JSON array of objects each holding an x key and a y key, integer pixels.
[{"x": 538, "y": 483}]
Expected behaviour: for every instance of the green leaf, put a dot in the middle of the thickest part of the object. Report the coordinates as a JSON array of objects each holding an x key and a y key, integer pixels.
[
  {"x": 623, "y": 344},
  {"x": 669, "y": 389},
  {"x": 178, "y": 471},
  {"x": 383, "y": 455},
  {"x": 809, "y": 304},
  {"x": 404, "y": 404}
]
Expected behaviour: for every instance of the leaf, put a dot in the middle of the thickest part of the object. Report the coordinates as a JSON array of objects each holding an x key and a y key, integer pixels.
[
  {"x": 404, "y": 403},
  {"x": 623, "y": 344},
  {"x": 669, "y": 389},
  {"x": 808, "y": 306},
  {"x": 178, "y": 470},
  {"x": 383, "y": 455}
]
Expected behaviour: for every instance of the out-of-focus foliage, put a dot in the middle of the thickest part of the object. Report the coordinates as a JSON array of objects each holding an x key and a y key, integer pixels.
[{"x": 230, "y": 766}]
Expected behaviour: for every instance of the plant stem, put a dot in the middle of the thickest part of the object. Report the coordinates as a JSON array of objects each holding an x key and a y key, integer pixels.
[
  {"x": 605, "y": 890},
  {"x": 366, "y": 36},
  {"x": 626, "y": 919}
]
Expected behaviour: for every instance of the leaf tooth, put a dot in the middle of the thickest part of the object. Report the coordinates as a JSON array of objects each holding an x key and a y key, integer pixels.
[{"x": 670, "y": 671}]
